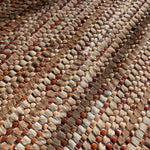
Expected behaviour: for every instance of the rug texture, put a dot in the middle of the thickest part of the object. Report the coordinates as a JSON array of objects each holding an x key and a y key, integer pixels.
[{"x": 74, "y": 74}]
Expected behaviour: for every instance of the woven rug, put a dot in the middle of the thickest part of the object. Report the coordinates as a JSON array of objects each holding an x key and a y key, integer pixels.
[{"x": 75, "y": 74}]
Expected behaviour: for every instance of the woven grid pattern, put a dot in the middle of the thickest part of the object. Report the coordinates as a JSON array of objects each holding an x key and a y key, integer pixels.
[{"x": 75, "y": 74}]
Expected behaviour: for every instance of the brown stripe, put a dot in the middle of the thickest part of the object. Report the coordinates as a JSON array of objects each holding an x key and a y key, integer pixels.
[
  {"x": 102, "y": 80},
  {"x": 49, "y": 64}
]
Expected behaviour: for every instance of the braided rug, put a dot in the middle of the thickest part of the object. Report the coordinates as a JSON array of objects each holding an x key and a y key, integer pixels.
[{"x": 74, "y": 74}]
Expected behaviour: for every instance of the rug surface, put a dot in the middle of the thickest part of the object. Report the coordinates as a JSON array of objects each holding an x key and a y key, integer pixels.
[{"x": 75, "y": 74}]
